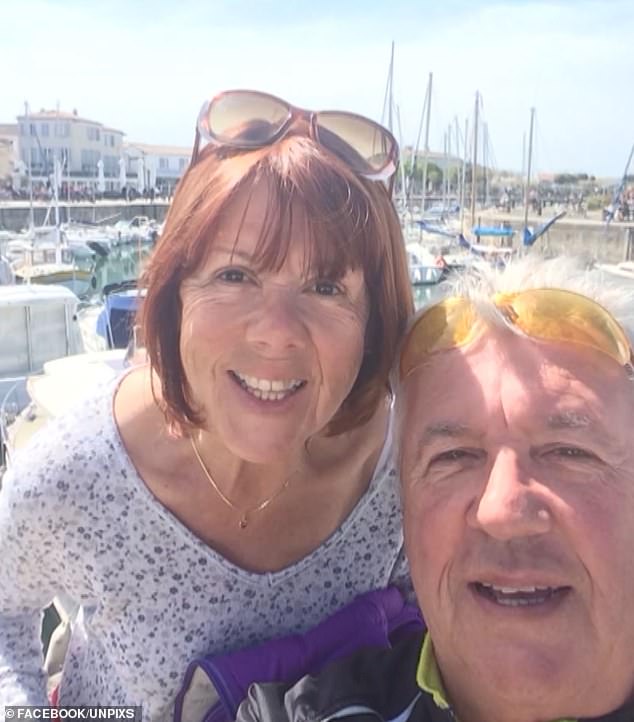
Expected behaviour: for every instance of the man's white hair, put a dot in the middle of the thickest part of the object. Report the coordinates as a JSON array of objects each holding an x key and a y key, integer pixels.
[{"x": 533, "y": 271}]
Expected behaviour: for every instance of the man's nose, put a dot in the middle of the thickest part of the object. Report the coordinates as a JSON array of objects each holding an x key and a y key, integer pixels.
[{"x": 512, "y": 504}]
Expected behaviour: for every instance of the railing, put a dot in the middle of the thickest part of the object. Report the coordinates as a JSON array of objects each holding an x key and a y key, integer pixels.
[{"x": 11, "y": 404}]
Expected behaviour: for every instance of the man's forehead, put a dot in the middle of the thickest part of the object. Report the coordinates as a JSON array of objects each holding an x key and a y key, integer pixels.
[{"x": 462, "y": 394}]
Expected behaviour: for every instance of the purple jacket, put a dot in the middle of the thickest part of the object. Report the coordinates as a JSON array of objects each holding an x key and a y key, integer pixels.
[{"x": 214, "y": 686}]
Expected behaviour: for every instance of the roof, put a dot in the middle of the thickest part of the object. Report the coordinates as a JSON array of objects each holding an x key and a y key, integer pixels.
[
  {"x": 160, "y": 149},
  {"x": 29, "y": 294},
  {"x": 64, "y": 115}
]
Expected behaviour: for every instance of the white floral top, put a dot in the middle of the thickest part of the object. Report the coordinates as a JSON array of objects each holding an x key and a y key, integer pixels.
[{"x": 76, "y": 519}]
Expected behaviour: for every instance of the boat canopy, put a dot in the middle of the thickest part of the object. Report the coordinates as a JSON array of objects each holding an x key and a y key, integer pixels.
[
  {"x": 39, "y": 323},
  {"x": 503, "y": 231}
]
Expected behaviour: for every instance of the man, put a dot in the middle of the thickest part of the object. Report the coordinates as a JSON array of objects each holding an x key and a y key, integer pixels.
[{"x": 515, "y": 406}]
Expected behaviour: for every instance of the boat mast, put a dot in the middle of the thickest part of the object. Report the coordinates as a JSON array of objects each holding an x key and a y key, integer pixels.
[
  {"x": 485, "y": 162},
  {"x": 474, "y": 165},
  {"x": 402, "y": 167},
  {"x": 426, "y": 147},
  {"x": 28, "y": 132},
  {"x": 527, "y": 189},
  {"x": 463, "y": 175},
  {"x": 57, "y": 179},
  {"x": 388, "y": 100},
  {"x": 445, "y": 173},
  {"x": 456, "y": 131}
]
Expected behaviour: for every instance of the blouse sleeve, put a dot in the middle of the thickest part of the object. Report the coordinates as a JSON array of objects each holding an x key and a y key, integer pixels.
[{"x": 29, "y": 556}]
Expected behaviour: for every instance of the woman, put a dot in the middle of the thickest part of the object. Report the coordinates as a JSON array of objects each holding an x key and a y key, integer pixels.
[{"x": 241, "y": 485}]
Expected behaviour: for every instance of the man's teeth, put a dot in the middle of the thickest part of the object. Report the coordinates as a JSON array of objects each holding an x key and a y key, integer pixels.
[
  {"x": 268, "y": 389},
  {"x": 517, "y": 596}
]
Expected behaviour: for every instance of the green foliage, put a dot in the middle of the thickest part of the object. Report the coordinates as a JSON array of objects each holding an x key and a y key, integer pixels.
[
  {"x": 570, "y": 179},
  {"x": 597, "y": 202}
]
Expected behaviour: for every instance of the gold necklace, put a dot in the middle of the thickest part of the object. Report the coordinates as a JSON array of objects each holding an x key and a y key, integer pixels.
[{"x": 244, "y": 513}]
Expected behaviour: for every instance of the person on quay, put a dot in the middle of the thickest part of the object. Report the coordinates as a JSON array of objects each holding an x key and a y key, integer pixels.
[
  {"x": 241, "y": 485},
  {"x": 515, "y": 404}
]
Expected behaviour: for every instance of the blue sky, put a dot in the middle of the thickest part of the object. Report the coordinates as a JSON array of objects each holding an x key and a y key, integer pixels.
[{"x": 146, "y": 67}]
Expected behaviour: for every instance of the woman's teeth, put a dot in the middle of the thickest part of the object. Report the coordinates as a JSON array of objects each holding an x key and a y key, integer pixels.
[{"x": 268, "y": 389}]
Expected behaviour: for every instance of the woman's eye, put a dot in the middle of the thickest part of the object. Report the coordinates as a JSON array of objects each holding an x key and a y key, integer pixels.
[
  {"x": 326, "y": 288},
  {"x": 232, "y": 275}
]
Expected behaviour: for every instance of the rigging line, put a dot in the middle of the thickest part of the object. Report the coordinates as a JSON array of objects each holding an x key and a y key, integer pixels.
[{"x": 543, "y": 155}]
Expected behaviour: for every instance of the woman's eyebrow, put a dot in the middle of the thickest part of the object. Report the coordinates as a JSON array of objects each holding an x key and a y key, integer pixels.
[{"x": 231, "y": 251}]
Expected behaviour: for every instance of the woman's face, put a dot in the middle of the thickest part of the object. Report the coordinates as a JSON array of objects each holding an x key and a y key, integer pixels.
[{"x": 269, "y": 355}]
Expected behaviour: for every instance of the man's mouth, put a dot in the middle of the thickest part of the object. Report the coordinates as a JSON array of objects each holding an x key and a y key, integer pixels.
[
  {"x": 525, "y": 596},
  {"x": 268, "y": 389}
]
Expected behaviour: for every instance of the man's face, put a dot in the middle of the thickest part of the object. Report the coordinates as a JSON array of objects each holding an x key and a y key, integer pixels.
[{"x": 518, "y": 482}]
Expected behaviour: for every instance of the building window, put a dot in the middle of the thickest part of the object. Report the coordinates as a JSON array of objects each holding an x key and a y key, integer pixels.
[
  {"x": 89, "y": 160},
  {"x": 164, "y": 163},
  {"x": 62, "y": 130},
  {"x": 93, "y": 133},
  {"x": 44, "y": 130},
  {"x": 182, "y": 162},
  {"x": 32, "y": 129}
]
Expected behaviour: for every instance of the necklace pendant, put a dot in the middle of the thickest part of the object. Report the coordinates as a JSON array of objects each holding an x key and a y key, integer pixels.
[{"x": 243, "y": 523}]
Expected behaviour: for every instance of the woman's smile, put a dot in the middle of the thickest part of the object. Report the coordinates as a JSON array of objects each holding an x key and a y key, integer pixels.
[{"x": 267, "y": 389}]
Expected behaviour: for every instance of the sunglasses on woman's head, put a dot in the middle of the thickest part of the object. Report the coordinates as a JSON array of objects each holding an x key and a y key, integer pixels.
[{"x": 250, "y": 119}]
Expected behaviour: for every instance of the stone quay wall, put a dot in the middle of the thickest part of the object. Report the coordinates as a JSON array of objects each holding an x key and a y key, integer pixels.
[{"x": 16, "y": 215}]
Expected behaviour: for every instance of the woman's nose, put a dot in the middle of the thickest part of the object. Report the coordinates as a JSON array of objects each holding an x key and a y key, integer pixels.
[{"x": 277, "y": 323}]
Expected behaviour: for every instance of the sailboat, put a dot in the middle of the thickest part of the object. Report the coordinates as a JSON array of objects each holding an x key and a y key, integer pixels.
[{"x": 41, "y": 256}]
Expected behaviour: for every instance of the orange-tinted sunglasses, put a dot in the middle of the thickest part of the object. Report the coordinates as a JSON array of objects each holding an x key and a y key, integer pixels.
[{"x": 547, "y": 314}]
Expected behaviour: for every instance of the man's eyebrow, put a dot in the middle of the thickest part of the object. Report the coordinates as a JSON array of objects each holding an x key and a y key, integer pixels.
[
  {"x": 442, "y": 429},
  {"x": 570, "y": 420},
  {"x": 446, "y": 428}
]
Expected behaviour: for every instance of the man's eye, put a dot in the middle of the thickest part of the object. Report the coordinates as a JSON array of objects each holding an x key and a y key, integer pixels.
[
  {"x": 454, "y": 455},
  {"x": 232, "y": 275},
  {"x": 571, "y": 452}
]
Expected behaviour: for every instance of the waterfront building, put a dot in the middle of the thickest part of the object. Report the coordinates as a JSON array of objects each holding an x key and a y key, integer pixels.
[
  {"x": 9, "y": 156},
  {"x": 156, "y": 167},
  {"x": 79, "y": 144}
]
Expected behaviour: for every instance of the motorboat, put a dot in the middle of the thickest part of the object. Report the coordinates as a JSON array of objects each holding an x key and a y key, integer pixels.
[
  {"x": 61, "y": 384},
  {"x": 42, "y": 256},
  {"x": 424, "y": 268},
  {"x": 111, "y": 344},
  {"x": 621, "y": 273},
  {"x": 39, "y": 323}
]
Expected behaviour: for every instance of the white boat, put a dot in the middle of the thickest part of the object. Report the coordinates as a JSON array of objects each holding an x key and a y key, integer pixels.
[
  {"x": 60, "y": 385},
  {"x": 139, "y": 229},
  {"x": 42, "y": 256},
  {"x": 620, "y": 271},
  {"x": 424, "y": 269},
  {"x": 39, "y": 323}
]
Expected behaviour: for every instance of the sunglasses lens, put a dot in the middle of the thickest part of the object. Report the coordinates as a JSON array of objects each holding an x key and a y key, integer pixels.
[
  {"x": 445, "y": 325},
  {"x": 366, "y": 147},
  {"x": 246, "y": 118},
  {"x": 556, "y": 315}
]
